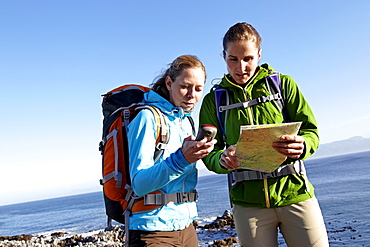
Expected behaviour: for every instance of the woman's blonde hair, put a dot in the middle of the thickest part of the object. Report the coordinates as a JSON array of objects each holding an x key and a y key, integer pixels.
[{"x": 174, "y": 70}]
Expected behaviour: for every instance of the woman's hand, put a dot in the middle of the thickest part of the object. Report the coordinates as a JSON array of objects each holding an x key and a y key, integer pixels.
[
  {"x": 228, "y": 159},
  {"x": 196, "y": 150},
  {"x": 291, "y": 146}
]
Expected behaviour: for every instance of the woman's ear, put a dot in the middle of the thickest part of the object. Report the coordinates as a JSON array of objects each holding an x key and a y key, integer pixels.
[{"x": 168, "y": 83}]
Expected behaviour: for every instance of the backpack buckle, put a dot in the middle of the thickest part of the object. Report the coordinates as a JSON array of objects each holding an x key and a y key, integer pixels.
[
  {"x": 161, "y": 146},
  {"x": 268, "y": 98},
  {"x": 263, "y": 99}
]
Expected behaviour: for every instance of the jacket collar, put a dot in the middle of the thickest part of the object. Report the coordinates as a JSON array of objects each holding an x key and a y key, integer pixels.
[
  {"x": 263, "y": 71},
  {"x": 154, "y": 99}
]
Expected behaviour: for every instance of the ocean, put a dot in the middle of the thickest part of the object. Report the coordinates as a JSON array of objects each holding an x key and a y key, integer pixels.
[{"x": 342, "y": 186}]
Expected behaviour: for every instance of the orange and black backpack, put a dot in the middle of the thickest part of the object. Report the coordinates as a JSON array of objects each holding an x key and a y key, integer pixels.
[{"x": 120, "y": 106}]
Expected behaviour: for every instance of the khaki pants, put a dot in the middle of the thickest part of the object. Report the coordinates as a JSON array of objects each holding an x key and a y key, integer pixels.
[
  {"x": 301, "y": 225},
  {"x": 183, "y": 238}
]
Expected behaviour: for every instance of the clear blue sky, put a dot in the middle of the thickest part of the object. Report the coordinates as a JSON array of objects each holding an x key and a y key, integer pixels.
[{"x": 58, "y": 57}]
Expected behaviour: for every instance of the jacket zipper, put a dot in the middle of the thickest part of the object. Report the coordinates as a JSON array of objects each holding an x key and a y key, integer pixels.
[
  {"x": 181, "y": 121},
  {"x": 265, "y": 183}
]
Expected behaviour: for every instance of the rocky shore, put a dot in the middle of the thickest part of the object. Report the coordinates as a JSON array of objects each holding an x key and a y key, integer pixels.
[
  {"x": 208, "y": 234},
  {"x": 93, "y": 238},
  {"x": 217, "y": 233}
]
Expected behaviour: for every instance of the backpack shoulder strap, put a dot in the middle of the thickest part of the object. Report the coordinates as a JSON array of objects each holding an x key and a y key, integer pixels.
[
  {"x": 221, "y": 99},
  {"x": 273, "y": 83},
  {"x": 191, "y": 120},
  {"x": 162, "y": 135}
]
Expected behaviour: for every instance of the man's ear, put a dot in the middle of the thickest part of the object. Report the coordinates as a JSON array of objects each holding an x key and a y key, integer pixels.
[{"x": 259, "y": 54}]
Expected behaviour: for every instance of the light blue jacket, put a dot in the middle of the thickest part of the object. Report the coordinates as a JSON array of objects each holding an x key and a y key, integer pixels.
[{"x": 171, "y": 173}]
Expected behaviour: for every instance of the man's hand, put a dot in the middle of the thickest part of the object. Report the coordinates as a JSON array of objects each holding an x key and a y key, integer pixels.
[
  {"x": 291, "y": 146},
  {"x": 228, "y": 159}
]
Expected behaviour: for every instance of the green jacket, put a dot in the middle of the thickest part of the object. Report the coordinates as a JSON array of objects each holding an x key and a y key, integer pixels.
[{"x": 284, "y": 190}]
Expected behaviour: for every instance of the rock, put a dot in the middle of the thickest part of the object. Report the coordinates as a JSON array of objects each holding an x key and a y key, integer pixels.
[
  {"x": 195, "y": 223},
  {"x": 226, "y": 242},
  {"x": 222, "y": 224},
  {"x": 22, "y": 237},
  {"x": 225, "y": 220},
  {"x": 58, "y": 234}
]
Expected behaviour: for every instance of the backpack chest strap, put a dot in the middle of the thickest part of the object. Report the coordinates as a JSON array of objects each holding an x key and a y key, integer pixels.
[
  {"x": 161, "y": 199},
  {"x": 295, "y": 168},
  {"x": 259, "y": 100}
]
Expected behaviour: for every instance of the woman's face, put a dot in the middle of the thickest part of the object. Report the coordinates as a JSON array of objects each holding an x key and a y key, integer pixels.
[
  {"x": 242, "y": 59},
  {"x": 187, "y": 88}
]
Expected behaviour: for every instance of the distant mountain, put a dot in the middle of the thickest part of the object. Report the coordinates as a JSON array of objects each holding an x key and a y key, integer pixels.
[{"x": 352, "y": 145}]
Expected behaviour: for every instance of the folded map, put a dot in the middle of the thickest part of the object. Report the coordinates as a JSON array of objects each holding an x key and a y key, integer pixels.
[{"x": 254, "y": 149}]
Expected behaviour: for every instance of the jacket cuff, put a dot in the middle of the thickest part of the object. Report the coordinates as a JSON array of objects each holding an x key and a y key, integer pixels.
[{"x": 178, "y": 160}]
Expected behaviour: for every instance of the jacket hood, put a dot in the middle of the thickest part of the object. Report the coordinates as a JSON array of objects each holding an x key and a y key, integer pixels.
[{"x": 154, "y": 99}]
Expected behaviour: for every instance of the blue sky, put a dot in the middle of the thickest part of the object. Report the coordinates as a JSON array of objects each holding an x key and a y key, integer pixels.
[{"x": 58, "y": 57}]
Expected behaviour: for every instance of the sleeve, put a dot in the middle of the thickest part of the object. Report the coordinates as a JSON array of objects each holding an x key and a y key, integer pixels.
[
  {"x": 208, "y": 115},
  {"x": 299, "y": 111},
  {"x": 147, "y": 176}
]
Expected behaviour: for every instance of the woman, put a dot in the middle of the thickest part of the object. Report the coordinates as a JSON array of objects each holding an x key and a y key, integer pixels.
[
  {"x": 175, "y": 93},
  {"x": 264, "y": 204}
]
